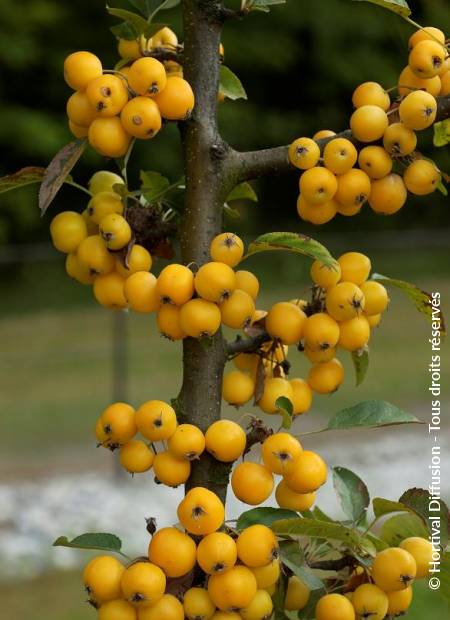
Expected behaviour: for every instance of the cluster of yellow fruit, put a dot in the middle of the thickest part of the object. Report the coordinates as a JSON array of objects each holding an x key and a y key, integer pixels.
[
  {"x": 386, "y": 588},
  {"x": 112, "y": 107},
  {"x": 331, "y": 183},
  {"x": 346, "y": 307},
  {"x": 303, "y": 471}
]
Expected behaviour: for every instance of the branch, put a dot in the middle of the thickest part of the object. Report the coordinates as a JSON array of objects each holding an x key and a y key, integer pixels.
[
  {"x": 163, "y": 54},
  {"x": 336, "y": 565},
  {"x": 247, "y": 345},
  {"x": 253, "y": 164}
]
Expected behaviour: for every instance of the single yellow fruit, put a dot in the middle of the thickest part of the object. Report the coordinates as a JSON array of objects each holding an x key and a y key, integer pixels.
[
  {"x": 107, "y": 95},
  {"x": 274, "y": 388},
  {"x": 147, "y": 76},
  {"x": 399, "y": 141},
  {"x": 259, "y": 608},
  {"x": 109, "y": 290},
  {"x": 156, "y": 420},
  {"x": 344, "y": 301},
  {"x": 76, "y": 270},
  {"x": 426, "y": 58},
  {"x": 79, "y": 110},
  {"x": 237, "y": 388},
  {"x": 117, "y": 610},
  {"x": 108, "y": 137},
  {"x": 368, "y": 123},
  {"x": 140, "y": 292},
  {"x": 429, "y": 33},
  {"x": 375, "y": 161},
  {"x": 227, "y": 248},
  {"x": 371, "y": 93},
  {"x": 118, "y": 423},
  {"x": 279, "y": 452},
  {"x": 68, "y": 230},
  {"x": 232, "y": 590},
  {"x": 353, "y": 188},
  {"x": 301, "y": 395},
  {"x": 138, "y": 259},
  {"x": 170, "y": 470},
  {"x": 334, "y": 607},
  {"x": 408, "y": 82},
  {"x": 141, "y": 118},
  {"x": 286, "y": 321},
  {"x": 168, "y": 321},
  {"x": 187, "y": 442},
  {"x": 215, "y": 281},
  {"x": 80, "y": 68},
  {"x": 252, "y": 483},
  {"x": 216, "y": 553},
  {"x": 339, "y": 155},
  {"x": 308, "y": 473},
  {"x": 225, "y": 440},
  {"x": 321, "y": 331},
  {"x": 115, "y": 231},
  {"x": 248, "y": 282},
  {"x": 168, "y": 607},
  {"x": 394, "y": 569},
  {"x": 388, "y": 195},
  {"x": 297, "y": 594},
  {"x": 175, "y": 284},
  {"x": 370, "y": 601},
  {"x": 201, "y": 512},
  {"x": 316, "y": 214},
  {"x": 93, "y": 254},
  {"x": 400, "y": 601},
  {"x": 173, "y": 551},
  {"x": 103, "y": 204},
  {"x": 422, "y": 552},
  {"x": 237, "y": 310},
  {"x": 198, "y": 604},
  {"x": 176, "y": 101},
  {"x": 375, "y": 296},
  {"x": 102, "y": 577},
  {"x": 200, "y": 318},
  {"x": 286, "y": 498},
  {"x": 418, "y": 110},
  {"x": 325, "y": 275},
  {"x": 421, "y": 177},
  {"x": 143, "y": 584},
  {"x": 354, "y": 333},
  {"x": 267, "y": 575},
  {"x": 304, "y": 153},
  {"x": 104, "y": 181},
  {"x": 318, "y": 185},
  {"x": 136, "y": 457}
]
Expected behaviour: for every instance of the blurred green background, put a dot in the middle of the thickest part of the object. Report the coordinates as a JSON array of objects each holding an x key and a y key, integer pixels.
[{"x": 299, "y": 65}]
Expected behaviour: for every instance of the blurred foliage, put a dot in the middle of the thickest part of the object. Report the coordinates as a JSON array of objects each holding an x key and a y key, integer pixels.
[{"x": 299, "y": 65}]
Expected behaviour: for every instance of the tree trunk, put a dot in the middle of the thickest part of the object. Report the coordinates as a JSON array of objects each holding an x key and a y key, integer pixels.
[{"x": 200, "y": 398}]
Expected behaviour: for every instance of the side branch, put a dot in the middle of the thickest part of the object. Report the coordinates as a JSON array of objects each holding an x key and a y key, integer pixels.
[
  {"x": 248, "y": 165},
  {"x": 247, "y": 345}
]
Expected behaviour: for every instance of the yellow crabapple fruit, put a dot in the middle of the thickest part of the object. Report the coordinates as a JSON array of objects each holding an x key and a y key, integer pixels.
[
  {"x": 318, "y": 185},
  {"x": 374, "y": 320},
  {"x": 200, "y": 318},
  {"x": 398, "y": 140},
  {"x": 141, "y": 118},
  {"x": 279, "y": 452},
  {"x": 170, "y": 470},
  {"x": 107, "y": 95},
  {"x": 108, "y": 137},
  {"x": 371, "y": 93},
  {"x": 164, "y": 38},
  {"x": 168, "y": 607},
  {"x": 319, "y": 356},
  {"x": 176, "y": 101},
  {"x": 143, "y": 584},
  {"x": 339, "y": 155},
  {"x": 355, "y": 267},
  {"x": 104, "y": 181},
  {"x": 225, "y": 440},
  {"x": 103, "y": 204},
  {"x": 375, "y": 161},
  {"x": 348, "y": 211},
  {"x": 252, "y": 483},
  {"x": 325, "y": 275},
  {"x": 388, "y": 195},
  {"x": 429, "y": 33},
  {"x": 237, "y": 310},
  {"x": 421, "y": 177},
  {"x": 93, "y": 254},
  {"x": 216, "y": 553},
  {"x": 248, "y": 282},
  {"x": 334, "y": 607},
  {"x": 147, "y": 76},
  {"x": 408, "y": 82},
  {"x": 370, "y": 601},
  {"x": 353, "y": 188},
  {"x": 445, "y": 84},
  {"x": 274, "y": 388},
  {"x": 344, "y": 301},
  {"x": 215, "y": 281},
  {"x": 417, "y": 110},
  {"x": 76, "y": 270},
  {"x": 237, "y": 387},
  {"x": 136, "y": 457},
  {"x": 326, "y": 377},
  {"x": 247, "y": 362},
  {"x": 426, "y": 58},
  {"x": 232, "y": 590},
  {"x": 286, "y": 321},
  {"x": 68, "y": 230},
  {"x": 108, "y": 289},
  {"x": 102, "y": 577},
  {"x": 304, "y": 153},
  {"x": 323, "y": 133},
  {"x": 316, "y": 214},
  {"x": 198, "y": 604},
  {"x": 375, "y": 296},
  {"x": 301, "y": 396},
  {"x": 354, "y": 333},
  {"x": 80, "y": 68},
  {"x": 393, "y": 569},
  {"x": 79, "y": 110},
  {"x": 321, "y": 331},
  {"x": 297, "y": 594},
  {"x": 187, "y": 442},
  {"x": 268, "y": 575},
  {"x": 129, "y": 49},
  {"x": 115, "y": 231},
  {"x": 368, "y": 123},
  {"x": 201, "y": 512},
  {"x": 422, "y": 552},
  {"x": 140, "y": 292},
  {"x": 307, "y": 474},
  {"x": 399, "y": 602},
  {"x": 173, "y": 551},
  {"x": 175, "y": 284},
  {"x": 117, "y": 609},
  {"x": 227, "y": 248},
  {"x": 168, "y": 321},
  {"x": 138, "y": 259},
  {"x": 156, "y": 420},
  {"x": 79, "y": 131},
  {"x": 288, "y": 499},
  {"x": 259, "y": 608}
]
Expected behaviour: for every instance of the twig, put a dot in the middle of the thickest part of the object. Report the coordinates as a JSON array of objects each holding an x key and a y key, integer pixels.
[{"x": 247, "y": 345}]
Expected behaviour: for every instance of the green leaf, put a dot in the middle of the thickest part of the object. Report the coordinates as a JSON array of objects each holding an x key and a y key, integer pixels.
[
  {"x": 397, "y": 6},
  {"x": 291, "y": 242},
  {"x": 263, "y": 5},
  {"x": 139, "y": 23},
  {"x": 264, "y": 516},
  {"x": 308, "y": 612},
  {"x": 286, "y": 410},
  {"x": 441, "y": 188},
  {"x": 58, "y": 170},
  {"x": 441, "y": 133},
  {"x": 421, "y": 299},
  {"x": 243, "y": 191},
  {"x": 428, "y": 510},
  {"x": 321, "y": 529},
  {"x": 320, "y": 515},
  {"x": 25, "y": 176},
  {"x": 352, "y": 493},
  {"x": 278, "y": 599},
  {"x": 154, "y": 185},
  {"x": 371, "y": 413},
  {"x": 360, "y": 361},
  {"x": 397, "y": 528},
  {"x": 383, "y": 507},
  {"x": 104, "y": 542},
  {"x": 126, "y": 31},
  {"x": 292, "y": 556},
  {"x": 233, "y": 214},
  {"x": 230, "y": 85}
]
